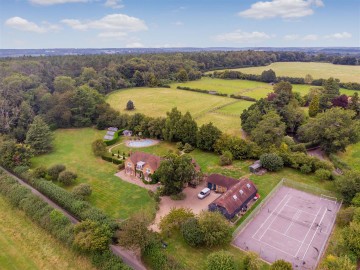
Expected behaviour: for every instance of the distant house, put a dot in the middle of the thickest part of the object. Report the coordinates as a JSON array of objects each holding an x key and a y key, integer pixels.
[
  {"x": 142, "y": 165},
  {"x": 127, "y": 133},
  {"x": 220, "y": 183},
  {"x": 256, "y": 167},
  {"x": 235, "y": 199}
]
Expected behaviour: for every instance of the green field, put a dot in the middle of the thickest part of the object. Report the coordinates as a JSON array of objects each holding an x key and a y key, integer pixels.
[
  {"x": 352, "y": 156},
  {"x": 317, "y": 70},
  {"x": 115, "y": 197},
  {"x": 25, "y": 246}
]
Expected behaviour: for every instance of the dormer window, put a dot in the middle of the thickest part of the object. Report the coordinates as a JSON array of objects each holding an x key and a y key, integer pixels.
[
  {"x": 235, "y": 197},
  {"x": 241, "y": 192},
  {"x": 129, "y": 164},
  {"x": 248, "y": 185},
  {"x": 140, "y": 165}
]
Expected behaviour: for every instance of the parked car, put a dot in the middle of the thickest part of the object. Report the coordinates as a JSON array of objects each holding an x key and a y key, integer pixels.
[{"x": 204, "y": 193}]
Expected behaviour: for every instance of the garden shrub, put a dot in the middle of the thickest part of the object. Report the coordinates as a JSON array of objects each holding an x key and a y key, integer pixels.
[
  {"x": 226, "y": 158},
  {"x": 305, "y": 169},
  {"x": 19, "y": 170},
  {"x": 55, "y": 170},
  {"x": 98, "y": 147},
  {"x": 81, "y": 191},
  {"x": 178, "y": 197},
  {"x": 192, "y": 233},
  {"x": 220, "y": 260},
  {"x": 281, "y": 265},
  {"x": 271, "y": 162},
  {"x": 179, "y": 145},
  {"x": 67, "y": 177},
  {"x": 188, "y": 148},
  {"x": 39, "y": 172},
  {"x": 322, "y": 174}
]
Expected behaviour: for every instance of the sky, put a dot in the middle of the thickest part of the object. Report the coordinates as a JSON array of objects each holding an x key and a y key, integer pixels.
[{"x": 36, "y": 24}]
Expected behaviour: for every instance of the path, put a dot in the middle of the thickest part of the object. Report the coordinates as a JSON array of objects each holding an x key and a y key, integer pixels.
[
  {"x": 127, "y": 256},
  {"x": 114, "y": 146},
  {"x": 135, "y": 181}
]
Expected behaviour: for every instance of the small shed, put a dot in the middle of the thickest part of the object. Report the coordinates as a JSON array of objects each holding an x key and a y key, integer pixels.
[
  {"x": 127, "y": 133},
  {"x": 256, "y": 167}
]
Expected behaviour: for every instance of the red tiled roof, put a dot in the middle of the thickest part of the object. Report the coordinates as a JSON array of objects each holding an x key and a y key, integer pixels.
[
  {"x": 152, "y": 160},
  {"x": 221, "y": 180},
  {"x": 232, "y": 199}
]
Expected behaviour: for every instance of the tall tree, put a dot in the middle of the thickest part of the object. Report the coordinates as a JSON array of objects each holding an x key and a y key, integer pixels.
[
  {"x": 187, "y": 129},
  {"x": 171, "y": 125},
  {"x": 207, "y": 135},
  {"x": 331, "y": 91},
  {"x": 308, "y": 79},
  {"x": 333, "y": 130},
  {"x": 39, "y": 136},
  {"x": 174, "y": 172},
  {"x": 182, "y": 76},
  {"x": 355, "y": 104},
  {"x": 63, "y": 84},
  {"x": 268, "y": 76},
  {"x": 314, "y": 106},
  {"x": 269, "y": 131}
]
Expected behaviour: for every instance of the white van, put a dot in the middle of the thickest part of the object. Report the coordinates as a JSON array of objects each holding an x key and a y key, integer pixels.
[{"x": 205, "y": 192}]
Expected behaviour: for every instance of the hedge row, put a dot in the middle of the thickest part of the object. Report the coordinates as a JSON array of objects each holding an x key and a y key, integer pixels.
[
  {"x": 201, "y": 91},
  {"x": 52, "y": 220},
  {"x": 80, "y": 209},
  {"x": 242, "y": 97},
  {"x": 115, "y": 139},
  {"x": 112, "y": 160}
]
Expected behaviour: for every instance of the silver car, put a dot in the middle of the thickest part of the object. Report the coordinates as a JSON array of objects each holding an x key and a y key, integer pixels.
[{"x": 203, "y": 193}]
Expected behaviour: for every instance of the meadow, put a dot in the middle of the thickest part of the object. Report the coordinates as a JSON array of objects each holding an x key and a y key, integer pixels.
[
  {"x": 118, "y": 199},
  {"x": 26, "y": 246},
  {"x": 351, "y": 156},
  {"x": 317, "y": 70}
]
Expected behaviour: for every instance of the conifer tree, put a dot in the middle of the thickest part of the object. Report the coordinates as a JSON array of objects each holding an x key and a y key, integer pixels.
[
  {"x": 39, "y": 136},
  {"x": 314, "y": 106}
]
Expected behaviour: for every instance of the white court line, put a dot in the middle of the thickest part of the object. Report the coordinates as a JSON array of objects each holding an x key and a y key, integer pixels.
[
  {"x": 301, "y": 210},
  {"x": 292, "y": 220},
  {"x": 274, "y": 218},
  {"x": 268, "y": 217},
  {"x": 308, "y": 231},
  {"x": 321, "y": 199},
  {"x": 285, "y": 235},
  {"x": 314, "y": 234},
  {"x": 262, "y": 242}
]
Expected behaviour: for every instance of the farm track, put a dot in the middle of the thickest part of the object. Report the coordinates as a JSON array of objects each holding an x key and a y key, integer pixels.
[
  {"x": 127, "y": 256},
  {"x": 201, "y": 114}
]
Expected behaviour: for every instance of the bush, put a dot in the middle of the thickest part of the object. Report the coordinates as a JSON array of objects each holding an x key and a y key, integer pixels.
[
  {"x": 67, "y": 178},
  {"x": 99, "y": 147},
  {"x": 81, "y": 191},
  {"x": 281, "y": 265},
  {"x": 220, "y": 260},
  {"x": 19, "y": 170},
  {"x": 175, "y": 219},
  {"x": 39, "y": 172},
  {"x": 178, "y": 197},
  {"x": 252, "y": 261},
  {"x": 192, "y": 233},
  {"x": 226, "y": 158},
  {"x": 271, "y": 162},
  {"x": 55, "y": 170},
  {"x": 188, "y": 148},
  {"x": 345, "y": 216},
  {"x": 305, "y": 169},
  {"x": 179, "y": 145},
  {"x": 322, "y": 174}
]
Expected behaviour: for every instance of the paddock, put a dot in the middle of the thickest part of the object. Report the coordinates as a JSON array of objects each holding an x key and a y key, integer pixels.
[{"x": 293, "y": 226}]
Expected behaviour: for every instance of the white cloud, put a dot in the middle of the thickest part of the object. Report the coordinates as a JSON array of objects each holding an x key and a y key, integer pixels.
[
  {"x": 135, "y": 45},
  {"x": 178, "y": 23},
  {"x": 54, "y": 2},
  {"x": 239, "y": 36},
  {"x": 339, "y": 35},
  {"x": 111, "y": 23},
  {"x": 281, "y": 8},
  {"x": 27, "y": 26},
  {"x": 112, "y": 35},
  {"x": 291, "y": 37},
  {"x": 310, "y": 37},
  {"x": 114, "y": 4}
]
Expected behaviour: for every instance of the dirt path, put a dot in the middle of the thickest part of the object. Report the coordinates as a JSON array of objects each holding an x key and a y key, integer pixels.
[{"x": 127, "y": 256}]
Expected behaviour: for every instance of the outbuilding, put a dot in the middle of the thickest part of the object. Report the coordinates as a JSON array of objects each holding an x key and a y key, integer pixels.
[{"x": 256, "y": 167}]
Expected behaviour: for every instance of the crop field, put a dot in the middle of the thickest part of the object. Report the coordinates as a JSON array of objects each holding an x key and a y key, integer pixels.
[
  {"x": 115, "y": 197},
  {"x": 26, "y": 246},
  {"x": 317, "y": 70}
]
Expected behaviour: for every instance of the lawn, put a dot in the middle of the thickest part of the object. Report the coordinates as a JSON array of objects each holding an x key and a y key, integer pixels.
[
  {"x": 236, "y": 108},
  {"x": 26, "y": 246},
  {"x": 115, "y": 197},
  {"x": 351, "y": 156},
  {"x": 157, "y": 101},
  {"x": 317, "y": 70}
]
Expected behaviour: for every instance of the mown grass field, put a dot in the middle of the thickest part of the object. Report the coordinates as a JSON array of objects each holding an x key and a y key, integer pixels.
[
  {"x": 26, "y": 246},
  {"x": 317, "y": 70},
  {"x": 115, "y": 197}
]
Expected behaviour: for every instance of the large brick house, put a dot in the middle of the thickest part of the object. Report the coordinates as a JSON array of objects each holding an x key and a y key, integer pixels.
[
  {"x": 235, "y": 198},
  {"x": 142, "y": 165}
]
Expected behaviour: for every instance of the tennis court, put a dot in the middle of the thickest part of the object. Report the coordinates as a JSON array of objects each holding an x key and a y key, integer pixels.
[{"x": 293, "y": 226}]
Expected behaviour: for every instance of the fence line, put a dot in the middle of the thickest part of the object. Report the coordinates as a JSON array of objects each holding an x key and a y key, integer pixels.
[{"x": 257, "y": 209}]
